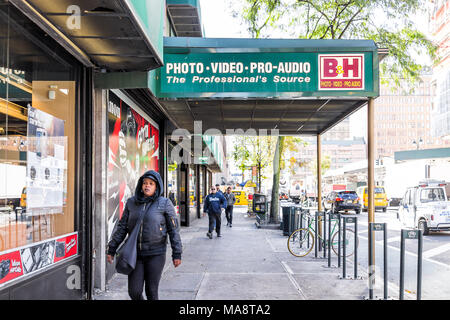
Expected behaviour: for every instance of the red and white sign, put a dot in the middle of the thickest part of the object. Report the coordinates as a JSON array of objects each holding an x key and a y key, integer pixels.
[
  {"x": 341, "y": 71},
  {"x": 70, "y": 247},
  {"x": 37, "y": 256},
  {"x": 10, "y": 266}
]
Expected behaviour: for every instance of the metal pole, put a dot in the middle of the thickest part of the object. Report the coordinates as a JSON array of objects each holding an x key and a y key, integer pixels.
[
  {"x": 329, "y": 240},
  {"x": 402, "y": 265},
  {"x": 324, "y": 234},
  {"x": 344, "y": 264},
  {"x": 307, "y": 228},
  {"x": 370, "y": 263},
  {"x": 319, "y": 181},
  {"x": 315, "y": 231},
  {"x": 371, "y": 182},
  {"x": 385, "y": 264},
  {"x": 339, "y": 240},
  {"x": 419, "y": 266},
  {"x": 355, "y": 265}
]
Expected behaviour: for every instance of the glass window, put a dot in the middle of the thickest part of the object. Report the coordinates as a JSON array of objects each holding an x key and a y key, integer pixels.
[
  {"x": 432, "y": 194},
  {"x": 37, "y": 134}
]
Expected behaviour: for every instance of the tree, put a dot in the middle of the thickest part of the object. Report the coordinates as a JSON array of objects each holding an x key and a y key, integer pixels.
[
  {"x": 254, "y": 151},
  {"x": 284, "y": 144},
  {"x": 349, "y": 19}
]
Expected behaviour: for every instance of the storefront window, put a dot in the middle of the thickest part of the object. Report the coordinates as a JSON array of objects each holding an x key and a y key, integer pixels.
[{"x": 37, "y": 137}]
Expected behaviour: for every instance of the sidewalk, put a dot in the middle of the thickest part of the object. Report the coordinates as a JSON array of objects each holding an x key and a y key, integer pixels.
[{"x": 246, "y": 263}]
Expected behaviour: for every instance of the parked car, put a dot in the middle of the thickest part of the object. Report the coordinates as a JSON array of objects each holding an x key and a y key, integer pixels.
[
  {"x": 381, "y": 200},
  {"x": 342, "y": 200},
  {"x": 425, "y": 206}
]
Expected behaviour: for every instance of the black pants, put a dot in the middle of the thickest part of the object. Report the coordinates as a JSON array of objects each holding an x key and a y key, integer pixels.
[
  {"x": 229, "y": 214},
  {"x": 214, "y": 218},
  {"x": 148, "y": 270}
]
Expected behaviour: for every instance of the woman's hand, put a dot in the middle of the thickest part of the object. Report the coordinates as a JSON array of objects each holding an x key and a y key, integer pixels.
[
  {"x": 110, "y": 258},
  {"x": 176, "y": 262}
]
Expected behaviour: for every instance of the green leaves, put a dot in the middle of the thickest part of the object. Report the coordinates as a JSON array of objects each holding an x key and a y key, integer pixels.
[{"x": 390, "y": 23}]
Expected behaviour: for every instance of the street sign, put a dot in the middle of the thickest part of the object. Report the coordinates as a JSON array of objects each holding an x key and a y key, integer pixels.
[{"x": 410, "y": 234}]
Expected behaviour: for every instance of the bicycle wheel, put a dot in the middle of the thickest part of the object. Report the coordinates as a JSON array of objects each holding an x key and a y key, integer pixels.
[
  {"x": 349, "y": 243},
  {"x": 300, "y": 242}
]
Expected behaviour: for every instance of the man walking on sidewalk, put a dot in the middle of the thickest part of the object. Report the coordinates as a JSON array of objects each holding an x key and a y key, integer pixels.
[
  {"x": 231, "y": 199},
  {"x": 214, "y": 204}
]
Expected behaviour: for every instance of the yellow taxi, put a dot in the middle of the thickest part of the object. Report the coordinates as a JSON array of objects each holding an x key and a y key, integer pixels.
[
  {"x": 241, "y": 198},
  {"x": 381, "y": 200}
]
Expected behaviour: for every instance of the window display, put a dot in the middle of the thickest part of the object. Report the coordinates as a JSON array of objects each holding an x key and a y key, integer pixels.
[{"x": 37, "y": 146}]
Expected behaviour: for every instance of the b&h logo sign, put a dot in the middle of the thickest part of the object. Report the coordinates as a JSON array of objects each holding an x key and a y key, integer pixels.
[{"x": 341, "y": 71}]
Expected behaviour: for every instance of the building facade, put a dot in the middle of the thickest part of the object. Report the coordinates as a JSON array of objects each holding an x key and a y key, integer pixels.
[
  {"x": 404, "y": 121},
  {"x": 79, "y": 124},
  {"x": 439, "y": 18}
]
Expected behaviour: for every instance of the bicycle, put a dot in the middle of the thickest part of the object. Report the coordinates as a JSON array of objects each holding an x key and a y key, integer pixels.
[{"x": 301, "y": 241}]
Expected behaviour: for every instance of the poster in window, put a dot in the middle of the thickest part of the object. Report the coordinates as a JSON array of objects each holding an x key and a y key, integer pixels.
[
  {"x": 133, "y": 150},
  {"x": 46, "y": 165}
]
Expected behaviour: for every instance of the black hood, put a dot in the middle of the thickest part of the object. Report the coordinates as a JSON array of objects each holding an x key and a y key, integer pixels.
[{"x": 155, "y": 176}]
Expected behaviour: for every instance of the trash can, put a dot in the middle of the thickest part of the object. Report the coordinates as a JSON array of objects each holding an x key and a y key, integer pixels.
[{"x": 288, "y": 220}]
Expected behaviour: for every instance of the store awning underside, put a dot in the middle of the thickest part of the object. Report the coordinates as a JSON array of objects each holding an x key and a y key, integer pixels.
[
  {"x": 109, "y": 36},
  {"x": 290, "y": 117}
]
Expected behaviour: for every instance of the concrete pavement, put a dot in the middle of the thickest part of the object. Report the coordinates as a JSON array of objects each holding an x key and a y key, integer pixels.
[{"x": 246, "y": 263}]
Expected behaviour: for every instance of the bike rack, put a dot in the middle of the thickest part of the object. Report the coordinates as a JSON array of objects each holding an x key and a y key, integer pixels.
[
  {"x": 355, "y": 264},
  {"x": 334, "y": 216},
  {"x": 318, "y": 243},
  {"x": 372, "y": 228},
  {"x": 411, "y": 234}
]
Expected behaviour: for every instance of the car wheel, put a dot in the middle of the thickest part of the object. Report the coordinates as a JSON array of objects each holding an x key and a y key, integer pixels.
[
  {"x": 357, "y": 211},
  {"x": 423, "y": 226},
  {"x": 384, "y": 209}
]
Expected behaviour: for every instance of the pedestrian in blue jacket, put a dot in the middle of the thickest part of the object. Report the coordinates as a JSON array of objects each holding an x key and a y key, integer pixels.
[
  {"x": 215, "y": 204},
  {"x": 159, "y": 221}
]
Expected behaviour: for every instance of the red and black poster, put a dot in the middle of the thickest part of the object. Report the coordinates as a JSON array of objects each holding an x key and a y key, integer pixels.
[
  {"x": 133, "y": 150},
  {"x": 37, "y": 256}
]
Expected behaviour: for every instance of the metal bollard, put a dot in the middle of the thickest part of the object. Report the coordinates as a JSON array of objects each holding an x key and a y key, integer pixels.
[
  {"x": 316, "y": 225},
  {"x": 411, "y": 234},
  {"x": 339, "y": 240},
  {"x": 329, "y": 238},
  {"x": 333, "y": 216},
  {"x": 324, "y": 234},
  {"x": 307, "y": 227},
  {"x": 379, "y": 227},
  {"x": 355, "y": 253}
]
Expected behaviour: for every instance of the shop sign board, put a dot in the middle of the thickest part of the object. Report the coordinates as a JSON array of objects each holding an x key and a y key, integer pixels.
[{"x": 267, "y": 74}]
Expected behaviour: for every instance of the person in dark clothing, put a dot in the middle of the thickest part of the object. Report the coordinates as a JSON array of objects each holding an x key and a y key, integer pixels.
[
  {"x": 214, "y": 204},
  {"x": 231, "y": 199},
  {"x": 159, "y": 220},
  {"x": 218, "y": 189}
]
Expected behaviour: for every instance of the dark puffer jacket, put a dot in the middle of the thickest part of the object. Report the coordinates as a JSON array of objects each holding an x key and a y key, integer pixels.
[{"x": 159, "y": 220}]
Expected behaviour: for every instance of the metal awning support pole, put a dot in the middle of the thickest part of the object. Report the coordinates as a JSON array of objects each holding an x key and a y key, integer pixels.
[
  {"x": 371, "y": 184},
  {"x": 319, "y": 183}
]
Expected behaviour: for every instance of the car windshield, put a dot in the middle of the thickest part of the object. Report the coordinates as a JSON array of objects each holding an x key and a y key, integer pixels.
[
  {"x": 347, "y": 194},
  {"x": 432, "y": 194},
  {"x": 379, "y": 190}
]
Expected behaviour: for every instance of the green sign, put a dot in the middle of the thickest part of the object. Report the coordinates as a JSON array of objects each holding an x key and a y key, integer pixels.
[{"x": 266, "y": 74}]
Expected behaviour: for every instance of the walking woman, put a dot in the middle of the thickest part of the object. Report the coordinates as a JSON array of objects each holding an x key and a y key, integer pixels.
[{"x": 159, "y": 220}]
